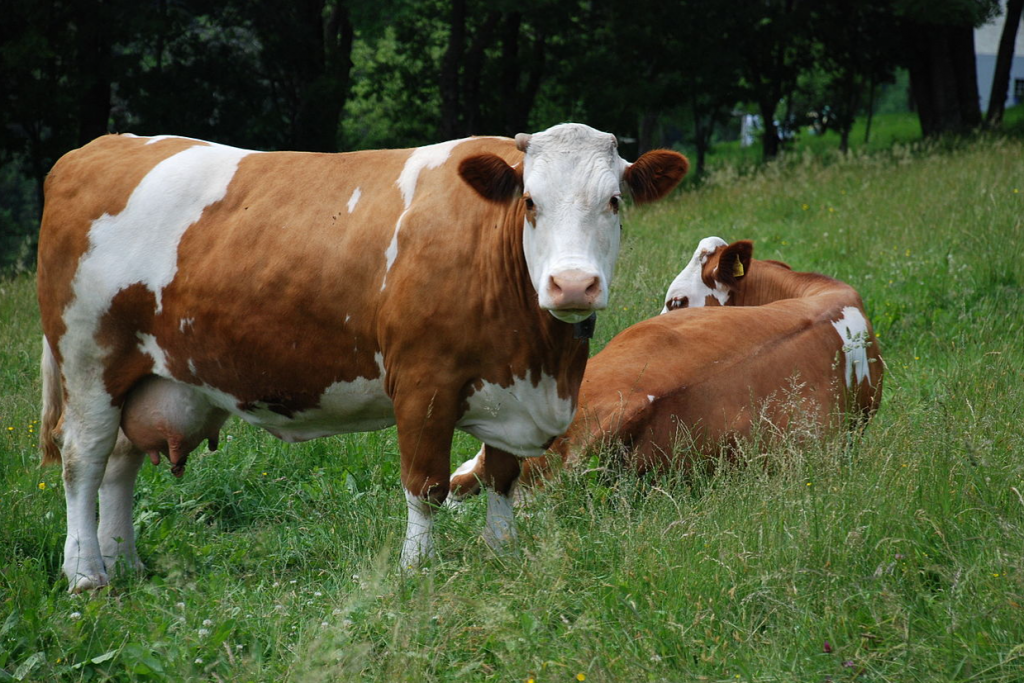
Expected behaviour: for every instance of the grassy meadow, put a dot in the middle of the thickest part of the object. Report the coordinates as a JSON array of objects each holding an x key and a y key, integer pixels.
[{"x": 899, "y": 558}]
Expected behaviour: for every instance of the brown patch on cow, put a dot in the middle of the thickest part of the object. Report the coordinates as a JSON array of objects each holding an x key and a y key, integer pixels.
[
  {"x": 491, "y": 177},
  {"x": 655, "y": 174},
  {"x": 130, "y": 314}
]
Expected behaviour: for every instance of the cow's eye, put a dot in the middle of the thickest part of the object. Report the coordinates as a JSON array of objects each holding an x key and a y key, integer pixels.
[
  {"x": 614, "y": 203},
  {"x": 530, "y": 206}
]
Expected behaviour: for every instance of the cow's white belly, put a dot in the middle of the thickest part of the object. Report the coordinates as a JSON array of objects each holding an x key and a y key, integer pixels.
[
  {"x": 521, "y": 418},
  {"x": 361, "y": 405}
]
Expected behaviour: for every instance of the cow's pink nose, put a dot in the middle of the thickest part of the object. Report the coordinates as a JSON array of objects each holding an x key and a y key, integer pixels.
[{"x": 574, "y": 289}]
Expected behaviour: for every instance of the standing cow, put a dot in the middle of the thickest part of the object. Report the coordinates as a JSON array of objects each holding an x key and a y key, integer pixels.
[
  {"x": 765, "y": 347},
  {"x": 434, "y": 289}
]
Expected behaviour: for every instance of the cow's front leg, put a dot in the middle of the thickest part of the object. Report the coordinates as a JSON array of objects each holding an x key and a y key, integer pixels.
[
  {"x": 426, "y": 424},
  {"x": 499, "y": 475}
]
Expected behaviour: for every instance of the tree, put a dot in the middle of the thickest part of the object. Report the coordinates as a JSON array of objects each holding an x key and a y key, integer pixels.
[
  {"x": 1004, "y": 59},
  {"x": 774, "y": 49},
  {"x": 938, "y": 42}
]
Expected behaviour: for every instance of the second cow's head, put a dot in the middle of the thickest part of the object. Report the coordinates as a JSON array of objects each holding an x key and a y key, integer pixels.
[{"x": 571, "y": 184}]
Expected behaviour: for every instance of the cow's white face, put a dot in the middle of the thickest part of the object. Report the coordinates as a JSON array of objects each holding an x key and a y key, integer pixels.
[
  {"x": 689, "y": 290},
  {"x": 572, "y": 192},
  {"x": 570, "y": 185}
]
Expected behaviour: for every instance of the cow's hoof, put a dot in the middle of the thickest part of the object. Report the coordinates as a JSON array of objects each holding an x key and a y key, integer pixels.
[{"x": 80, "y": 583}]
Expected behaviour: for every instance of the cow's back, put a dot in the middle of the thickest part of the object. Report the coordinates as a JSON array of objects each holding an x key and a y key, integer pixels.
[
  {"x": 264, "y": 278},
  {"x": 695, "y": 379}
]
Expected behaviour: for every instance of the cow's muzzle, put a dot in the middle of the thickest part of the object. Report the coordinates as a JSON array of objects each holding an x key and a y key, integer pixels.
[{"x": 572, "y": 295}]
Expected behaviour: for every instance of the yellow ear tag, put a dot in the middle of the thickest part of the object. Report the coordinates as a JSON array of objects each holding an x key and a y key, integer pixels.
[{"x": 737, "y": 268}]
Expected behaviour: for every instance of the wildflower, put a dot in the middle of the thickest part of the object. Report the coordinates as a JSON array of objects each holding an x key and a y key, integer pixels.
[
  {"x": 10, "y": 429},
  {"x": 827, "y": 648},
  {"x": 831, "y": 210},
  {"x": 848, "y": 664},
  {"x": 996, "y": 575},
  {"x": 203, "y": 632},
  {"x": 42, "y": 486},
  {"x": 75, "y": 615},
  {"x": 324, "y": 624},
  {"x": 207, "y": 622},
  {"x": 804, "y": 207},
  {"x": 264, "y": 474},
  {"x": 179, "y": 605},
  {"x": 199, "y": 660},
  {"x": 1016, "y": 191},
  {"x": 580, "y": 677},
  {"x": 317, "y": 594},
  {"x": 808, "y": 483}
]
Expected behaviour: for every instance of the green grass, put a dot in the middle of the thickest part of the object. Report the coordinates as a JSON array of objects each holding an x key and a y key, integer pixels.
[{"x": 905, "y": 552}]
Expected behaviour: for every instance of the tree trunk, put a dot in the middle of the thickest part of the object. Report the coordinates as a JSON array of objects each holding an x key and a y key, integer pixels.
[
  {"x": 943, "y": 78},
  {"x": 1004, "y": 59},
  {"x": 871, "y": 112},
  {"x": 471, "y": 77},
  {"x": 449, "y": 85},
  {"x": 329, "y": 37},
  {"x": 770, "y": 135},
  {"x": 93, "y": 43}
]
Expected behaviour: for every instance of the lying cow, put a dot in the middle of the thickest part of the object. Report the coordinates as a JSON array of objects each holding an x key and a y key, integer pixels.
[
  {"x": 434, "y": 288},
  {"x": 758, "y": 346}
]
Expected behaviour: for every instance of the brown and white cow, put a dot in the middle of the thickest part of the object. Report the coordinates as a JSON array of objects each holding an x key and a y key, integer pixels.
[
  {"x": 312, "y": 294},
  {"x": 756, "y": 346}
]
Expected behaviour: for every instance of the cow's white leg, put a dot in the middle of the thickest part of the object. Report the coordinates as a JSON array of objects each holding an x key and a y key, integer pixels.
[
  {"x": 87, "y": 446},
  {"x": 116, "y": 530},
  {"x": 500, "y": 531},
  {"x": 426, "y": 424},
  {"x": 419, "y": 544},
  {"x": 500, "y": 473}
]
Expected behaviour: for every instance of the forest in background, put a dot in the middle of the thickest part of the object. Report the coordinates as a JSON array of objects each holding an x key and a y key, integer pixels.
[{"x": 338, "y": 75}]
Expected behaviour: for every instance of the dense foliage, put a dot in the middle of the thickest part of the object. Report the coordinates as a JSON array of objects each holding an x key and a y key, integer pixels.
[{"x": 330, "y": 75}]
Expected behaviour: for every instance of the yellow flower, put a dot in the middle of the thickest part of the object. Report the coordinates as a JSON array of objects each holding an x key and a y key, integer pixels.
[
  {"x": 264, "y": 474},
  {"x": 10, "y": 429},
  {"x": 808, "y": 483},
  {"x": 580, "y": 677},
  {"x": 804, "y": 207},
  {"x": 42, "y": 486}
]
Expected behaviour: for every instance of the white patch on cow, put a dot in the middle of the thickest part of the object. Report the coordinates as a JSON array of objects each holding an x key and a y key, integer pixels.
[
  {"x": 650, "y": 398},
  {"x": 852, "y": 329},
  {"x": 571, "y": 173},
  {"x": 689, "y": 282},
  {"x": 391, "y": 253},
  {"x": 150, "y": 139},
  {"x": 422, "y": 158},
  {"x": 149, "y": 346},
  {"x": 520, "y": 418},
  {"x": 469, "y": 465},
  {"x": 354, "y": 199},
  {"x": 140, "y": 244},
  {"x": 185, "y": 322},
  {"x": 361, "y": 405},
  {"x": 500, "y": 530},
  {"x": 419, "y": 544}
]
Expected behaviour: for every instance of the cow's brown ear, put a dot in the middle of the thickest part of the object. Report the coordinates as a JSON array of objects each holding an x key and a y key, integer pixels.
[
  {"x": 491, "y": 177},
  {"x": 655, "y": 174},
  {"x": 734, "y": 262}
]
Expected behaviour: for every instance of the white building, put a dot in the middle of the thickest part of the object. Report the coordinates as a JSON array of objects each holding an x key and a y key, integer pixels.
[{"x": 986, "y": 45}]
